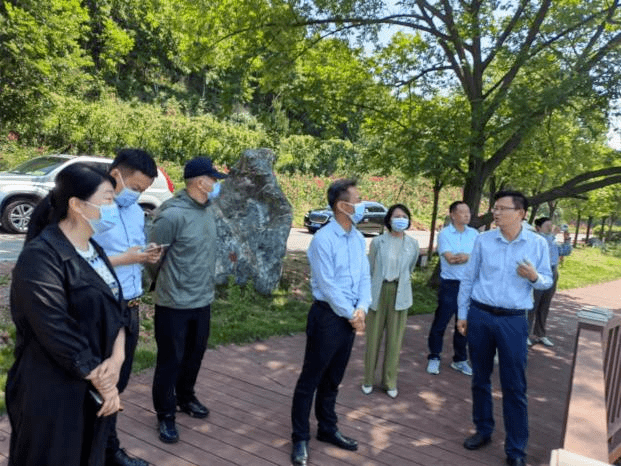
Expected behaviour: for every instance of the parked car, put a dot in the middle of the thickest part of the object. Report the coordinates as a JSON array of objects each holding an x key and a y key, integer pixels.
[
  {"x": 22, "y": 187},
  {"x": 372, "y": 222}
]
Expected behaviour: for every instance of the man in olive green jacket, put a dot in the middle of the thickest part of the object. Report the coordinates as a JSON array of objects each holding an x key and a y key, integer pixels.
[{"x": 184, "y": 290}]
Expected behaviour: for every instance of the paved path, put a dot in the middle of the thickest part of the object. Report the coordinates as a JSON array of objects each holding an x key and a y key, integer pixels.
[
  {"x": 248, "y": 389},
  {"x": 299, "y": 239},
  {"x": 10, "y": 246}
]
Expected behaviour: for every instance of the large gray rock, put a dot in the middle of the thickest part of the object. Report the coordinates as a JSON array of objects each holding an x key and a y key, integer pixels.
[{"x": 254, "y": 218}]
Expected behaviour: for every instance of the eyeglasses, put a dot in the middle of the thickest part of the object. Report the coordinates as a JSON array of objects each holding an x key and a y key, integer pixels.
[{"x": 502, "y": 208}]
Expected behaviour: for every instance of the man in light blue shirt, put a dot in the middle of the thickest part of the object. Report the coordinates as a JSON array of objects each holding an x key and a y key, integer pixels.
[
  {"x": 134, "y": 171},
  {"x": 505, "y": 266},
  {"x": 543, "y": 298},
  {"x": 341, "y": 286},
  {"x": 455, "y": 243}
]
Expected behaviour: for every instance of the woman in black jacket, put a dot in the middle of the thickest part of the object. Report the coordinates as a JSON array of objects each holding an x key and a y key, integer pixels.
[{"x": 66, "y": 305}]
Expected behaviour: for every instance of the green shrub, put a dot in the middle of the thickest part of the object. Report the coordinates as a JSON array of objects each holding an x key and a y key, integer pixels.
[
  {"x": 104, "y": 126},
  {"x": 306, "y": 193}
]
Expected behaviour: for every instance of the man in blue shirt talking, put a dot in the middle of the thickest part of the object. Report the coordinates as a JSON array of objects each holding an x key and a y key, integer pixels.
[
  {"x": 341, "y": 287},
  {"x": 505, "y": 266}
]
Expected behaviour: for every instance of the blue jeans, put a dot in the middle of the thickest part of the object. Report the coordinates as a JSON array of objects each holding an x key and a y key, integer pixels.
[
  {"x": 486, "y": 333},
  {"x": 447, "y": 308}
]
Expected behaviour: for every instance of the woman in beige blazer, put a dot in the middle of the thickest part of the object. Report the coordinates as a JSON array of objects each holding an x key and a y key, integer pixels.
[{"x": 392, "y": 257}]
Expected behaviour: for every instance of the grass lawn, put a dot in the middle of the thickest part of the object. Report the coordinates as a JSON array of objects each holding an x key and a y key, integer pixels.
[
  {"x": 240, "y": 315},
  {"x": 588, "y": 266}
]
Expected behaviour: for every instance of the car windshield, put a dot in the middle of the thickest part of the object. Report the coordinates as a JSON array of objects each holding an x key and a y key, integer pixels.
[{"x": 39, "y": 166}]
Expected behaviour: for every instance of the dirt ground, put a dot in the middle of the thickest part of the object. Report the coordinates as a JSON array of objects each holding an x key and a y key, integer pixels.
[{"x": 5, "y": 271}]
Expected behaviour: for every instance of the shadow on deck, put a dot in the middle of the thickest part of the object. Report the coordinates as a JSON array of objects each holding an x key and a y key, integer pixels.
[{"x": 249, "y": 388}]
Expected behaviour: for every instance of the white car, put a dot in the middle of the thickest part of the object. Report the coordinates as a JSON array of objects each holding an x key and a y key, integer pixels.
[{"x": 22, "y": 187}]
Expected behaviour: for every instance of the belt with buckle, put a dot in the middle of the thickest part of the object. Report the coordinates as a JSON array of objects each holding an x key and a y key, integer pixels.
[
  {"x": 498, "y": 311},
  {"x": 132, "y": 302}
]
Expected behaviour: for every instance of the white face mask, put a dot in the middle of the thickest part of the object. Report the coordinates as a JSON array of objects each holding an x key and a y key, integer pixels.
[
  {"x": 127, "y": 196},
  {"x": 108, "y": 217},
  {"x": 215, "y": 192},
  {"x": 358, "y": 214},
  {"x": 399, "y": 223}
]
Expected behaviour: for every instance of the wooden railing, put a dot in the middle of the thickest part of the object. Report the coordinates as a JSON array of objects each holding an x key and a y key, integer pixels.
[
  {"x": 562, "y": 457},
  {"x": 592, "y": 429},
  {"x": 612, "y": 373}
]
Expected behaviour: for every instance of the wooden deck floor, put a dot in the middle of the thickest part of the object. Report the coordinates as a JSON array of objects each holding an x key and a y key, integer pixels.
[{"x": 248, "y": 390}]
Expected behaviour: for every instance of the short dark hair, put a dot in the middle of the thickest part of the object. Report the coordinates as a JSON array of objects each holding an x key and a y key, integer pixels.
[
  {"x": 541, "y": 220},
  {"x": 519, "y": 200},
  {"x": 454, "y": 205},
  {"x": 76, "y": 180},
  {"x": 338, "y": 190},
  {"x": 391, "y": 210},
  {"x": 135, "y": 160}
]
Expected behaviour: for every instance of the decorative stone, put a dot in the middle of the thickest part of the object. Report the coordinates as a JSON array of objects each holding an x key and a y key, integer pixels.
[{"x": 253, "y": 218}]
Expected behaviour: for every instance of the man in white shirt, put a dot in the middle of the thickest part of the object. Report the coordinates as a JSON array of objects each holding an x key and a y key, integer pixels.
[{"x": 455, "y": 243}]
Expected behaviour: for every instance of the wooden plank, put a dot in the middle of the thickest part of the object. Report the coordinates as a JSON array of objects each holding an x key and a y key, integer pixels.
[
  {"x": 249, "y": 389},
  {"x": 586, "y": 432}
]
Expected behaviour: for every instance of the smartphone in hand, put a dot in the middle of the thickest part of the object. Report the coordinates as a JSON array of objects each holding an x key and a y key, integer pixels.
[
  {"x": 150, "y": 247},
  {"x": 96, "y": 397}
]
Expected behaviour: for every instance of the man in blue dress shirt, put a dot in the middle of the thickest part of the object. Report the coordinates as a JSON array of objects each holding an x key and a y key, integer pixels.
[
  {"x": 455, "y": 243},
  {"x": 134, "y": 171},
  {"x": 505, "y": 266},
  {"x": 341, "y": 286}
]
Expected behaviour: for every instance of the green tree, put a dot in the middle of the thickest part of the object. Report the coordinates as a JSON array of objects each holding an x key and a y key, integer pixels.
[
  {"x": 40, "y": 56},
  {"x": 512, "y": 62},
  {"x": 420, "y": 137}
]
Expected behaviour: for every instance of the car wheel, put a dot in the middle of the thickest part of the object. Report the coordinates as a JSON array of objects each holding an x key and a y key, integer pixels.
[{"x": 16, "y": 215}]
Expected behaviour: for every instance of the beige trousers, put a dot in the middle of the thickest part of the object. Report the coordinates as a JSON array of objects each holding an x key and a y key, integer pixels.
[{"x": 384, "y": 320}]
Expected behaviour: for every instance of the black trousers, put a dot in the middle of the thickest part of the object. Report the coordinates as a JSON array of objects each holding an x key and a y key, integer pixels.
[
  {"x": 181, "y": 336},
  {"x": 329, "y": 340},
  {"x": 131, "y": 341}
]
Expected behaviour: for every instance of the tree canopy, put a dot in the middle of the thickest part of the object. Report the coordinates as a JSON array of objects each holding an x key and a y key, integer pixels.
[{"x": 482, "y": 94}]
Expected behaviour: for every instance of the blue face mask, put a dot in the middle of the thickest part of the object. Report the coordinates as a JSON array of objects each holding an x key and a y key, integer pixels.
[
  {"x": 127, "y": 196},
  {"x": 108, "y": 218},
  {"x": 215, "y": 192},
  {"x": 358, "y": 214},
  {"x": 399, "y": 223}
]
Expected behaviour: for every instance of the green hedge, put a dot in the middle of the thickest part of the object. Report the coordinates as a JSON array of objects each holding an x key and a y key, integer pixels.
[{"x": 101, "y": 127}]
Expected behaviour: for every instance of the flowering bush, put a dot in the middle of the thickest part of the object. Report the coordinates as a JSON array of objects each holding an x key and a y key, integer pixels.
[{"x": 308, "y": 192}]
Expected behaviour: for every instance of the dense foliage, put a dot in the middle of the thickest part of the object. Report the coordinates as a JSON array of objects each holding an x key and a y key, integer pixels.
[{"x": 482, "y": 94}]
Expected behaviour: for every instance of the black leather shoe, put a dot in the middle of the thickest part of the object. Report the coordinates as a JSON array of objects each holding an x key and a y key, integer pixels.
[
  {"x": 476, "y": 441},
  {"x": 339, "y": 440},
  {"x": 195, "y": 409},
  {"x": 120, "y": 458},
  {"x": 516, "y": 461},
  {"x": 168, "y": 430},
  {"x": 299, "y": 453}
]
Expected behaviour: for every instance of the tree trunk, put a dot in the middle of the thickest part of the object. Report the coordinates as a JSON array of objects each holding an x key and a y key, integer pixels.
[
  {"x": 613, "y": 219},
  {"x": 551, "y": 209},
  {"x": 577, "y": 228},
  {"x": 589, "y": 223},
  {"x": 476, "y": 177},
  {"x": 437, "y": 186},
  {"x": 601, "y": 231},
  {"x": 533, "y": 213},
  {"x": 473, "y": 191}
]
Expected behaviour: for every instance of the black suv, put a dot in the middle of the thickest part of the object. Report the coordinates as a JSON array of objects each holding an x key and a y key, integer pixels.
[{"x": 372, "y": 222}]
